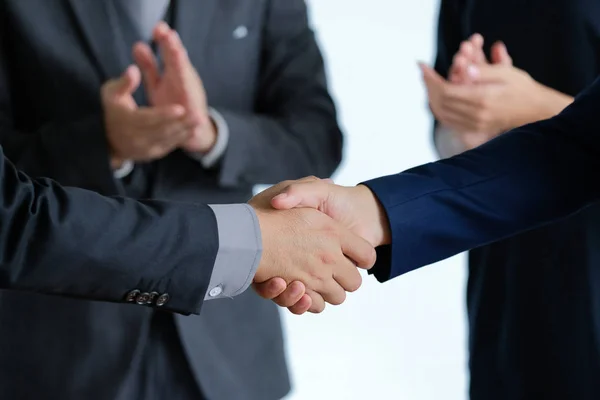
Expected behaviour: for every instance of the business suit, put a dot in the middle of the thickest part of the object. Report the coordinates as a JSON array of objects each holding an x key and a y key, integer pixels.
[
  {"x": 532, "y": 298},
  {"x": 270, "y": 88}
]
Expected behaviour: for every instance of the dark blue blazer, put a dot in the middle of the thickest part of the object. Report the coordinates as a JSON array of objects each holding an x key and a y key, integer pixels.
[{"x": 528, "y": 177}]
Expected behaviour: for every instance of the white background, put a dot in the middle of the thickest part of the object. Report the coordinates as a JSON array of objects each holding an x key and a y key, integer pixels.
[{"x": 405, "y": 339}]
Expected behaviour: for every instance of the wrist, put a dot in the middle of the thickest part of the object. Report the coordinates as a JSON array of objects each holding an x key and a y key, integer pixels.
[
  {"x": 203, "y": 138},
  {"x": 376, "y": 222},
  {"x": 550, "y": 102}
]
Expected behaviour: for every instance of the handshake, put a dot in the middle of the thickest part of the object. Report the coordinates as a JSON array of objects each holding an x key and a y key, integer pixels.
[{"x": 315, "y": 235}]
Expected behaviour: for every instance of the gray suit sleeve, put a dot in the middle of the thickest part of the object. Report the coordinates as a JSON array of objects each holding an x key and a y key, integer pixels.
[{"x": 240, "y": 249}]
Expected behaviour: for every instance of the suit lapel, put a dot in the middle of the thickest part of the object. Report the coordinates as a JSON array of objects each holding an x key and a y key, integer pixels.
[
  {"x": 100, "y": 29},
  {"x": 192, "y": 21}
]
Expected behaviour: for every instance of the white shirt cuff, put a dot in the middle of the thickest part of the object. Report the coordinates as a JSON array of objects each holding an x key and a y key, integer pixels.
[
  {"x": 240, "y": 250},
  {"x": 124, "y": 170},
  {"x": 447, "y": 142},
  {"x": 210, "y": 159}
]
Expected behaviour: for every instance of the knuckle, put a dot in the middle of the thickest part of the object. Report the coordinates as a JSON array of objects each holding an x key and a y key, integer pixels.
[{"x": 328, "y": 258}]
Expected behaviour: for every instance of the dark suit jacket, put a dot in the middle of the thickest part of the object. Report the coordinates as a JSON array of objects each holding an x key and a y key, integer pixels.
[
  {"x": 50, "y": 243},
  {"x": 533, "y": 299},
  {"x": 269, "y": 86},
  {"x": 523, "y": 179}
]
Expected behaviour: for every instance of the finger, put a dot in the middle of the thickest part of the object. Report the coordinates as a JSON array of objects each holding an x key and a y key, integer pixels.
[
  {"x": 177, "y": 53},
  {"x": 499, "y": 54},
  {"x": 160, "y": 32},
  {"x": 146, "y": 60},
  {"x": 477, "y": 56},
  {"x": 173, "y": 53},
  {"x": 292, "y": 295},
  {"x": 332, "y": 292},
  {"x": 301, "y": 306},
  {"x": 348, "y": 277},
  {"x": 160, "y": 148},
  {"x": 317, "y": 302},
  {"x": 271, "y": 288},
  {"x": 477, "y": 40},
  {"x": 185, "y": 125},
  {"x": 467, "y": 50},
  {"x": 161, "y": 35},
  {"x": 303, "y": 194},
  {"x": 151, "y": 117},
  {"x": 126, "y": 84},
  {"x": 458, "y": 71},
  {"x": 168, "y": 140},
  {"x": 357, "y": 249}
]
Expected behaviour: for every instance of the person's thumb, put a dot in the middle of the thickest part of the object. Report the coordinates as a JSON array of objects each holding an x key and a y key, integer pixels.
[
  {"x": 430, "y": 75},
  {"x": 313, "y": 194},
  {"x": 126, "y": 84}
]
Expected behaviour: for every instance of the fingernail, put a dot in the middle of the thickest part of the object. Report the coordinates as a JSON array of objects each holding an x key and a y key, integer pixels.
[{"x": 281, "y": 196}]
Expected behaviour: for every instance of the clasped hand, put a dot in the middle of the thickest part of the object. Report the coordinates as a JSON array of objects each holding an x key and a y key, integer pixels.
[{"x": 315, "y": 235}]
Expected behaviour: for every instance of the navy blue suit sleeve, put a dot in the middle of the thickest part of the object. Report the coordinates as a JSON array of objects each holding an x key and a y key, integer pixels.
[
  {"x": 525, "y": 178},
  {"x": 73, "y": 242}
]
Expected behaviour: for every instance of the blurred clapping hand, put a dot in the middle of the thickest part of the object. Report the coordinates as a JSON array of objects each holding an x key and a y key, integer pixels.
[
  {"x": 177, "y": 116},
  {"x": 482, "y": 99}
]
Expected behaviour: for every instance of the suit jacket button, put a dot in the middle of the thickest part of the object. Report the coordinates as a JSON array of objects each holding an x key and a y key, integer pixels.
[
  {"x": 131, "y": 296},
  {"x": 162, "y": 299},
  {"x": 142, "y": 298},
  {"x": 153, "y": 297}
]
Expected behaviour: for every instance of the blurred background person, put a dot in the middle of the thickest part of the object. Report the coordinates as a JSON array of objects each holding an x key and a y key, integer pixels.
[
  {"x": 238, "y": 98},
  {"x": 533, "y": 300}
]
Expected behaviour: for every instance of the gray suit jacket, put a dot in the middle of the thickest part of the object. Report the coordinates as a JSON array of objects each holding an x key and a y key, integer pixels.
[{"x": 270, "y": 87}]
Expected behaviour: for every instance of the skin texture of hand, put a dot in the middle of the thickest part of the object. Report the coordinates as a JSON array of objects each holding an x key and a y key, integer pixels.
[
  {"x": 179, "y": 83},
  {"x": 356, "y": 208},
  {"x": 481, "y": 100},
  {"x": 307, "y": 246},
  {"x": 139, "y": 133}
]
